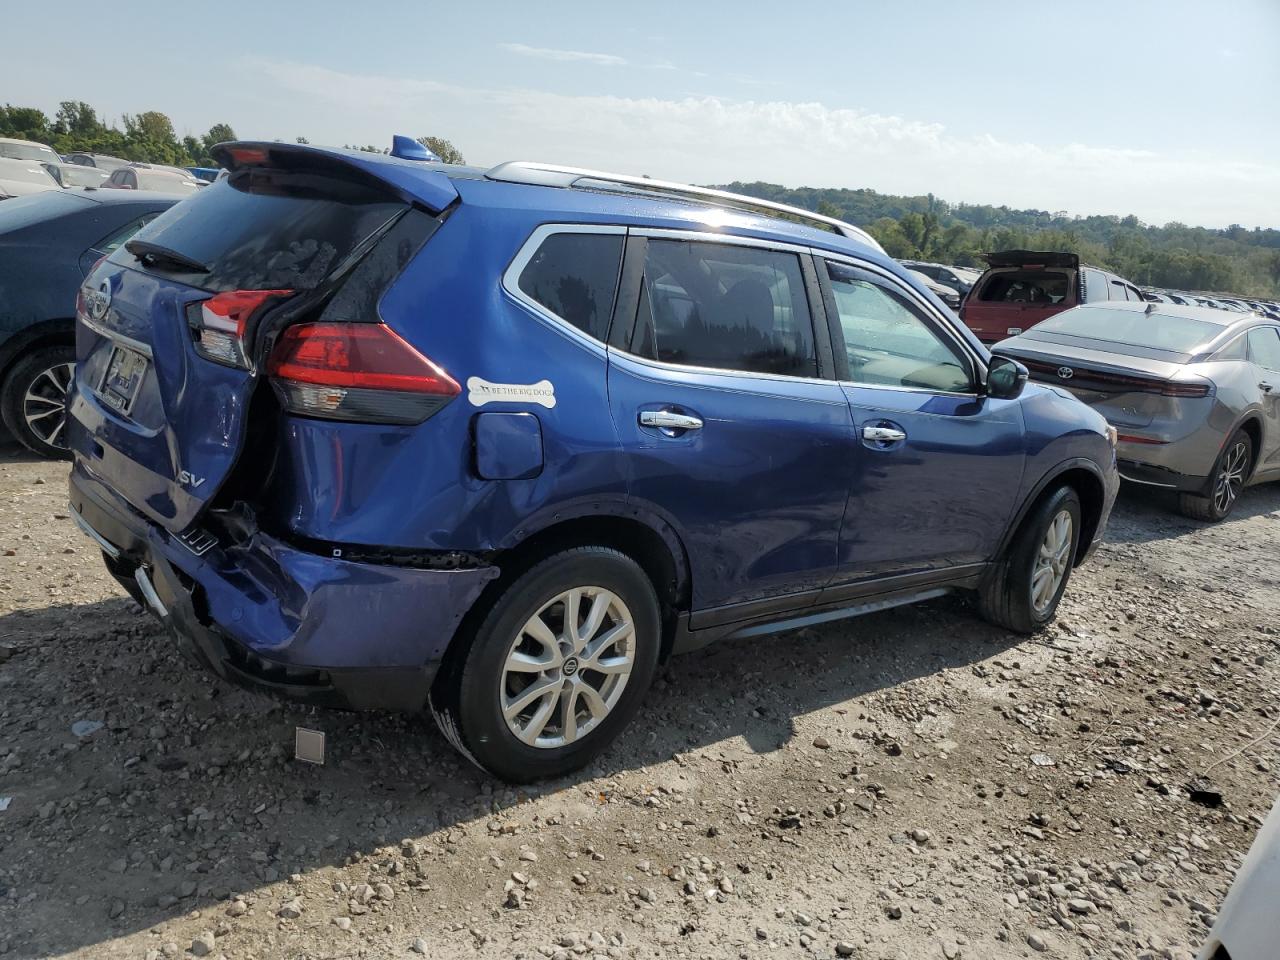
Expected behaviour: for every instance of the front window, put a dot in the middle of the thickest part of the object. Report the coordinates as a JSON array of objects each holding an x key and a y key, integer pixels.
[{"x": 888, "y": 341}]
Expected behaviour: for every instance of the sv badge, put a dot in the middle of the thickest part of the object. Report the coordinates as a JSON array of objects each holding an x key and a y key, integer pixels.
[{"x": 189, "y": 479}]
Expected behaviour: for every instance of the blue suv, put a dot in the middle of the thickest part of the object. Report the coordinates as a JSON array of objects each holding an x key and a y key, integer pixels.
[{"x": 376, "y": 432}]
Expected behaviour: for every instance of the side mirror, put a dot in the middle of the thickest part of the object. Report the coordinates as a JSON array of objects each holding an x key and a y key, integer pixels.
[{"x": 1005, "y": 378}]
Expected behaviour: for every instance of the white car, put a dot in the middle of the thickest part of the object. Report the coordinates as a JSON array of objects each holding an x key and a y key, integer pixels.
[
  {"x": 20, "y": 177},
  {"x": 1248, "y": 925},
  {"x": 27, "y": 150}
]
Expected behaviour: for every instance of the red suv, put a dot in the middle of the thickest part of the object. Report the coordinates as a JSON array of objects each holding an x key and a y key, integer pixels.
[{"x": 1022, "y": 287}]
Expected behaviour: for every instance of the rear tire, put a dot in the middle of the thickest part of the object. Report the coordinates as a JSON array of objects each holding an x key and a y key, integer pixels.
[
  {"x": 33, "y": 400},
  {"x": 1022, "y": 592},
  {"x": 1230, "y": 474},
  {"x": 522, "y": 699}
]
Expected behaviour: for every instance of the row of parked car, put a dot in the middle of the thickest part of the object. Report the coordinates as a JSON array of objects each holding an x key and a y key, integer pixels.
[{"x": 30, "y": 167}]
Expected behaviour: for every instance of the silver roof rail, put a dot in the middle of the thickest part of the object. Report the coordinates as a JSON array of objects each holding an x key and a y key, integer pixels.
[{"x": 552, "y": 175}]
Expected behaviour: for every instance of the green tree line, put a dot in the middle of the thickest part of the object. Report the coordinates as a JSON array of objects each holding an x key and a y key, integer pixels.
[
  {"x": 1233, "y": 260},
  {"x": 147, "y": 137}
]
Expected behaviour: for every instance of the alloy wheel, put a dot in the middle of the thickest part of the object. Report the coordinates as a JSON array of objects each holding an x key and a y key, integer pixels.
[
  {"x": 1052, "y": 561},
  {"x": 44, "y": 405},
  {"x": 1231, "y": 477},
  {"x": 567, "y": 667}
]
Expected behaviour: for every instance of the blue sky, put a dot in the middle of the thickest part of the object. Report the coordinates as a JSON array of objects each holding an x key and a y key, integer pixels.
[{"x": 1168, "y": 110}]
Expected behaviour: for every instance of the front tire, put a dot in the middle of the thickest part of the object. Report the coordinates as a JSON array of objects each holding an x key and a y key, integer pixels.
[
  {"x": 1022, "y": 592},
  {"x": 1230, "y": 474},
  {"x": 33, "y": 400},
  {"x": 556, "y": 669}
]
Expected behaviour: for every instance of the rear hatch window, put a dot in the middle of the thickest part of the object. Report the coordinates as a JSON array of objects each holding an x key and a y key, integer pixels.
[
  {"x": 166, "y": 371},
  {"x": 264, "y": 230},
  {"x": 1026, "y": 286}
]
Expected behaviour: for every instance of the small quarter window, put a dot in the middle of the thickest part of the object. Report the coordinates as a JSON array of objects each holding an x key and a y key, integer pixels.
[
  {"x": 575, "y": 276},
  {"x": 725, "y": 306},
  {"x": 1232, "y": 351}
]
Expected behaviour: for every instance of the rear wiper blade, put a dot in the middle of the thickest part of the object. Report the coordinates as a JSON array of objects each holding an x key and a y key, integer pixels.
[{"x": 153, "y": 253}]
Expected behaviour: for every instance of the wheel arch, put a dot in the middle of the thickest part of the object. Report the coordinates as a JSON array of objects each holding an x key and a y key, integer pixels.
[
  {"x": 646, "y": 539},
  {"x": 1086, "y": 479},
  {"x": 46, "y": 333}
]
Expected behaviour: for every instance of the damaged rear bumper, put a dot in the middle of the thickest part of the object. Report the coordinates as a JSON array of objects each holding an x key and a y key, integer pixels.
[{"x": 268, "y": 616}]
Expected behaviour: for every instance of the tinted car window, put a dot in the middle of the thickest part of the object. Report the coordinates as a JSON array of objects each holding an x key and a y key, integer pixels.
[
  {"x": 575, "y": 276},
  {"x": 723, "y": 306},
  {"x": 110, "y": 243},
  {"x": 889, "y": 342},
  {"x": 1264, "y": 348},
  {"x": 266, "y": 230},
  {"x": 1032, "y": 286}
]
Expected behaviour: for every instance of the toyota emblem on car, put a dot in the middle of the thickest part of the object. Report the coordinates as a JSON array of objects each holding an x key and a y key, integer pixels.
[{"x": 1066, "y": 373}]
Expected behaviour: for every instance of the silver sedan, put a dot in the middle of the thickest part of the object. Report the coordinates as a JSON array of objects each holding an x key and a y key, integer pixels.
[{"x": 1193, "y": 393}]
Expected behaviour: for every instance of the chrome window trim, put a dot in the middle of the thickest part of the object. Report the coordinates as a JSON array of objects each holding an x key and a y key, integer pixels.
[
  {"x": 945, "y": 324},
  {"x": 511, "y": 277},
  {"x": 667, "y": 366},
  {"x": 710, "y": 236}
]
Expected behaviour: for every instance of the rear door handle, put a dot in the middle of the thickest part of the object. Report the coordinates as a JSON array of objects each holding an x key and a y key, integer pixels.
[
  {"x": 669, "y": 420},
  {"x": 1265, "y": 387},
  {"x": 883, "y": 434}
]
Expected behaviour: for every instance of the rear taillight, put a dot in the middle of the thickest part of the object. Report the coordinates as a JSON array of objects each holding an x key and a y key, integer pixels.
[
  {"x": 356, "y": 371},
  {"x": 219, "y": 324},
  {"x": 1185, "y": 389}
]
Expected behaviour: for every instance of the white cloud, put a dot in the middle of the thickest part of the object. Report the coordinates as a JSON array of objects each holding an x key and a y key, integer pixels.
[
  {"x": 710, "y": 139},
  {"x": 564, "y": 56}
]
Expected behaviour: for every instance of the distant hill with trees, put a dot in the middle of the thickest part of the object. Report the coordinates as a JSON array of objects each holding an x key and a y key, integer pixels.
[
  {"x": 1233, "y": 260},
  {"x": 925, "y": 227}
]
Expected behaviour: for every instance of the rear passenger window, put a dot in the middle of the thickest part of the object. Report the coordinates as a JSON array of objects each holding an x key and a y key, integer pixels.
[
  {"x": 726, "y": 307},
  {"x": 1264, "y": 347},
  {"x": 575, "y": 276}
]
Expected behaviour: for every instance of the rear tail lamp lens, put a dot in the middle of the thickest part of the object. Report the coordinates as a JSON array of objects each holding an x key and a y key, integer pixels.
[
  {"x": 356, "y": 371},
  {"x": 1185, "y": 389},
  {"x": 219, "y": 325}
]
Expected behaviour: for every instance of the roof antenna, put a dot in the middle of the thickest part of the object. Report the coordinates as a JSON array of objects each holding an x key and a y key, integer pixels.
[{"x": 407, "y": 148}]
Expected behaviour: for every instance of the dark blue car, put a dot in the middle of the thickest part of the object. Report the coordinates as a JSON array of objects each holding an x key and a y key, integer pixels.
[
  {"x": 48, "y": 243},
  {"x": 378, "y": 433}
]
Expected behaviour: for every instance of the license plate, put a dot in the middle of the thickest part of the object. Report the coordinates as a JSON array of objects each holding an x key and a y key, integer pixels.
[{"x": 120, "y": 383}]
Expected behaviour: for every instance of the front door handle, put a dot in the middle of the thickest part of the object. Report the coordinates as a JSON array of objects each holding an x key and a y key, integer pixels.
[
  {"x": 882, "y": 434},
  {"x": 669, "y": 420}
]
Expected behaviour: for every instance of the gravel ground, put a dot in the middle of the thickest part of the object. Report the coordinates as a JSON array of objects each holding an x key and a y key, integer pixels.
[{"x": 913, "y": 784}]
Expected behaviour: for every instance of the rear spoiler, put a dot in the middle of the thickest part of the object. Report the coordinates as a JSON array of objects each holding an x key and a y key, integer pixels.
[
  {"x": 411, "y": 180},
  {"x": 1031, "y": 258}
]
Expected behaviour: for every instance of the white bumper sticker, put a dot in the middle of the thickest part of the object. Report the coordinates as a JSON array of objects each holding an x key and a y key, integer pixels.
[{"x": 480, "y": 392}]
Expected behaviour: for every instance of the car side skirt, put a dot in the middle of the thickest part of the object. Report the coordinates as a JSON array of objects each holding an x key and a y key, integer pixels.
[{"x": 814, "y": 607}]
